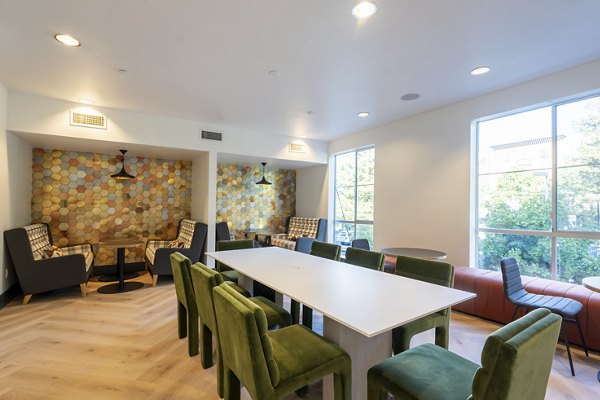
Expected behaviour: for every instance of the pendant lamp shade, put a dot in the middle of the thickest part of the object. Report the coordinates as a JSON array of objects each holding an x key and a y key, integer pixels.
[
  {"x": 122, "y": 174},
  {"x": 263, "y": 181}
]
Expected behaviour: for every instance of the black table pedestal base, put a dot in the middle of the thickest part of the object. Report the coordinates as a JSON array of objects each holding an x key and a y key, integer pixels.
[
  {"x": 114, "y": 287},
  {"x": 115, "y": 278}
]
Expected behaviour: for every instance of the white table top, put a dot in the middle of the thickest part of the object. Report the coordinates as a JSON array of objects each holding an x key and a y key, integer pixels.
[
  {"x": 367, "y": 301},
  {"x": 592, "y": 283}
]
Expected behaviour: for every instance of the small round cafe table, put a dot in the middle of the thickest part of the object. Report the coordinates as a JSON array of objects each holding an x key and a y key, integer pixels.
[
  {"x": 426, "y": 254},
  {"x": 120, "y": 244}
]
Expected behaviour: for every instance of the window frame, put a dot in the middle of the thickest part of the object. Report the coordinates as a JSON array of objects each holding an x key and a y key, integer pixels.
[{"x": 554, "y": 233}]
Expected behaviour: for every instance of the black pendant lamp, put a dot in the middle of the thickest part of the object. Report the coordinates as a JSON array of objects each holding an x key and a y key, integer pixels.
[
  {"x": 122, "y": 174},
  {"x": 263, "y": 181}
]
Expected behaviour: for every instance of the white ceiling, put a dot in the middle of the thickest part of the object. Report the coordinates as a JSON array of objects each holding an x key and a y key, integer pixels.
[{"x": 209, "y": 60}]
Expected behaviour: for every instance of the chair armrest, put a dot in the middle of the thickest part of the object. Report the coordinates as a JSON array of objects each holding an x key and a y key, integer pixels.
[
  {"x": 54, "y": 273},
  {"x": 279, "y": 236}
]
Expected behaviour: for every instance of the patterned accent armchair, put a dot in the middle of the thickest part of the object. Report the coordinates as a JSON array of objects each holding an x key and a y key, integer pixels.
[
  {"x": 300, "y": 227},
  {"x": 190, "y": 241},
  {"x": 42, "y": 267}
]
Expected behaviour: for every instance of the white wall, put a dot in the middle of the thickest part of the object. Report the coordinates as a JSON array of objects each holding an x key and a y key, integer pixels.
[
  {"x": 204, "y": 195},
  {"x": 15, "y": 188},
  {"x": 422, "y": 163},
  {"x": 311, "y": 191}
]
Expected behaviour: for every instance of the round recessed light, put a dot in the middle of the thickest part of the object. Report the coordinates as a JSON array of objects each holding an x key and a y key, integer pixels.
[
  {"x": 122, "y": 71},
  {"x": 67, "y": 40},
  {"x": 480, "y": 71},
  {"x": 86, "y": 101},
  {"x": 363, "y": 114},
  {"x": 410, "y": 96},
  {"x": 364, "y": 9}
]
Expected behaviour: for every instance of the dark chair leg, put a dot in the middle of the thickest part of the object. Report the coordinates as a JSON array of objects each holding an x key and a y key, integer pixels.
[
  {"x": 295, "y": 311},
  {"x": 515, "y": 312},
  {"x": 307, "y": 316},
  {"x": 564, "y": 332},
  {"x": 581, "y": 336}
]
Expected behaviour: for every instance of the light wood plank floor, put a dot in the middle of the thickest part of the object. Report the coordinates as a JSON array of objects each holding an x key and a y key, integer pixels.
[{"x": 125, "y": 346}]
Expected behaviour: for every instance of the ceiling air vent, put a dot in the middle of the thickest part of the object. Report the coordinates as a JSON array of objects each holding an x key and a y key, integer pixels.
[
  {"x": 297, "y": 147},
  {"x": 212, "y": 136},
  {"x": 87, "y": 119}
]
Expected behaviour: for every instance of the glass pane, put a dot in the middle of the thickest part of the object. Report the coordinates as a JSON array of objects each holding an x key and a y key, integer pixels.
[
  {"x": 345, "y": 169},
  {"x": 344, "y": 233},
  {"x": 531, "y": 252},
  {"x": 578, "y": 158},
  {"x": 364, "y": 231},
  {"x": 518, "y": 200},
  {"x": 344, "y": 206},
  {"x": 365, "y": 202},
  {"x": 365, "y": 160},
  {"x": 577, "y": 259},
  {"x": 518, "y": 142}
]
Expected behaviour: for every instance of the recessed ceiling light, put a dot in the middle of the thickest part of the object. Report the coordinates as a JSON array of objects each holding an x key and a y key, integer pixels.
[
  {"x": 480, "y": 71},
  {"x": 410, "y": 96},
  {"x": 274, "y": 72},
  {"x": 364, "y": 9},
  {"x": 122, "y": 71},
  {"x": 86, "y": 101},
  {"x": 363, "y": 114},
  {"x": 67, "y": 40}
]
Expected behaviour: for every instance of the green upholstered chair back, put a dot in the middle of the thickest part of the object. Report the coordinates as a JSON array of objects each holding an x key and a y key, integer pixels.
[
  {"x": 204, "y": 281},
  {"x": 224, "y": 245},
  {"x": 326, "y": 250},
  {"x": 180, "y": 265},
  {"x": 365, "y": 258},
  {"x": 517, "y": 358},
  {"x": 245, "y": 347},
  {"x": 439, "y": 273}
]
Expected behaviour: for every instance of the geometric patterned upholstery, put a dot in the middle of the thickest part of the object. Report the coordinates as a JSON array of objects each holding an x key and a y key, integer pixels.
[
  {"x": 299, "y": 226},
  {"x": 185, "y": 235},
  {"x": 39, "y": 240}
]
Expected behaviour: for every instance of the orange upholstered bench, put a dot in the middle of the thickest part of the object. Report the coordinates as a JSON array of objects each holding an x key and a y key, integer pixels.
[{"x": 491, "y": 303}]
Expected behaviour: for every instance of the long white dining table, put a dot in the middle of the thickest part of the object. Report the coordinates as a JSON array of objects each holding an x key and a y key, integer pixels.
[{"x": 360, "y": 306}]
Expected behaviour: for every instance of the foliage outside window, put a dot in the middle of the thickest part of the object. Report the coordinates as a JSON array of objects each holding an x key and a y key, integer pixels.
[
  {"x": 354, "y": 196},
  {"x": 538, "y": 187}
]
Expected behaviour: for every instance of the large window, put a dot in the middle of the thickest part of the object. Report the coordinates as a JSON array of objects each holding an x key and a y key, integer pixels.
[
  {"x": 538, "y": 186},
  {"x": 354, "y": 196}
]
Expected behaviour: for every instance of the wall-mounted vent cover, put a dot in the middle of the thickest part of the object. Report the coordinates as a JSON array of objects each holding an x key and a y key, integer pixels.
[
  {"x": 87, "y": 119},
  {"x": 212, "y": 136},
  {"x": 297, "y": 147}
]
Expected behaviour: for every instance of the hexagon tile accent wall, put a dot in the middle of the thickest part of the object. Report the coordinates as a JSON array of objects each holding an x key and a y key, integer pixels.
[
  {"x": 244, "y": 205},
  {"x": 74, "y": 194}
]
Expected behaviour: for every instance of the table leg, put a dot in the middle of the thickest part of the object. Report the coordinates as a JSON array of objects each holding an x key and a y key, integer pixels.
[
  {"x": 120, "y": 286},
  {"x": 364, "y": 352},
  {"x": 246, "y": 282},
  {"x": 121, "y": 267}
]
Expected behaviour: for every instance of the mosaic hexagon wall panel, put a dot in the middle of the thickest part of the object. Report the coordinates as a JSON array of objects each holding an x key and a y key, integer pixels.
[
  {"x": 74, "y": 193},
  {"x": 244, "y": 205}
]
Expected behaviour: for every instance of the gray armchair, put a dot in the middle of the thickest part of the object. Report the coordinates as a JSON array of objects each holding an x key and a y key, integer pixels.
[
  {"x": 190, "y": 241},
  {"x": 40, "y": 267}
]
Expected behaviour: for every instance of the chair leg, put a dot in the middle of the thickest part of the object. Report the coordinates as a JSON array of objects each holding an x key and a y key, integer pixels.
[
  {"x": 26, "y": 299},
  {"x": 564, "y": 332},
  {"x": 307, "y": 316},
  {"x": 83, "y": 288},
  {"x": 193, "y": 339},
  {"x": 581, "y": 336},
  {"x": 375, "y": 391},
  {"x": 295, "y": 311},
  {"x": 181, "y": 320},
  {"x": 206, "y": 348},
  {"x": 515, "y": 312},
  {"x": 232, "y": 385},
  {"x": 154, "y": 279},
  {"x": 441, "y": 336}
]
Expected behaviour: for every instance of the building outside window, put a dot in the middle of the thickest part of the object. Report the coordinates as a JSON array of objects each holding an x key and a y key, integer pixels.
[
  {"x": 354, "y": 196},
  {"x": 538, "y": 190}
]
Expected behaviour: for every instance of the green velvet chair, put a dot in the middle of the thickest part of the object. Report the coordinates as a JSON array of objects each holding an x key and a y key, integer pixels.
[
  {"x": 224, "y": 245},
  {"x": 272, "y": 364},
  {"x": 516, "y": 362},
  {"x": 365, "y": 258},
  {"x": 323, "y": 250},
  {"x": 435, "y": 272},
  {"x": 187, "y": 312},
  {"x": 205, "y": 280}
]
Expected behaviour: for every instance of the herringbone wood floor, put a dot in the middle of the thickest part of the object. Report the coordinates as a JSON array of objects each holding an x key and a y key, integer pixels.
[{"x": 125, "y": 346}]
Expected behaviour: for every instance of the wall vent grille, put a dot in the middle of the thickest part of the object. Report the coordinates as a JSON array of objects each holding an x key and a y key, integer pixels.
[
  {"x": 212, "y": 136},
  {"x": 88, "y": 120},
  {"x": 297, "y": 147}
]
